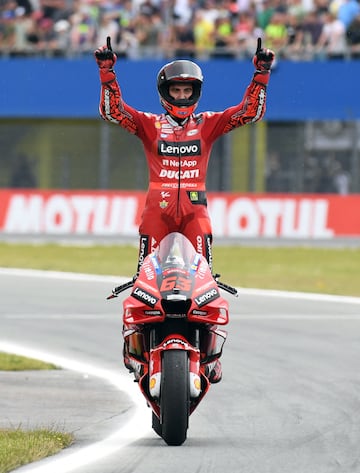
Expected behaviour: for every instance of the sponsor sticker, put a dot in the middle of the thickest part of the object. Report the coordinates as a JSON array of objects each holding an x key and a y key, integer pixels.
[
  {"x": 144, "y": 296},
  {"x": 187, "y": 174},
  {"x": 179, "y": 148},
  {"x": 149, "y": 270},
  {"x": 199, "y": 312},
  {"x": 194, "y": 196},
  {"x": 207, "y": 297},
  {"x": 155, "y": 264}
]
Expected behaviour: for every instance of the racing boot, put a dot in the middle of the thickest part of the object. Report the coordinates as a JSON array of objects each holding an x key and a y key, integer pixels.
[{"x": 214, "y": 372}]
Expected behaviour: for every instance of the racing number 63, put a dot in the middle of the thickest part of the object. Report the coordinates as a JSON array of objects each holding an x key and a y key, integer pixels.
[{"x": 172, "y": 282}]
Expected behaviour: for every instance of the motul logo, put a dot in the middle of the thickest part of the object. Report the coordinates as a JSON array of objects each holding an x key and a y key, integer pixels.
[
  {"x": 271, "y": 217},
  {"x": 60, "y": 214},
  {"x": 179, "y": 148}
]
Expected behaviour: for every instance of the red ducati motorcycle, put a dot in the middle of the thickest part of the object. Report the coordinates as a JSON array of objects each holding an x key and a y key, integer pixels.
[{"x": 171, "y": 334}]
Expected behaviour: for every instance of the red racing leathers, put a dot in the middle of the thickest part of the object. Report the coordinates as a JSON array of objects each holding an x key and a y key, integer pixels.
[{"x": 177, "y": 157}]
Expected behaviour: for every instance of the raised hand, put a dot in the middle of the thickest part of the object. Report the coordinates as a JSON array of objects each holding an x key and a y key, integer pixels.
[
  {"x": 263, "y": 58},
  {"x": 104, "y": 56}
]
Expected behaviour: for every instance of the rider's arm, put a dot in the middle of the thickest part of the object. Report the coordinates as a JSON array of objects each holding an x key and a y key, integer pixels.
[
  {"x": 112, "y": 106},
  {"x": 250, "y": 109},
  {"x": 253, "y": 105}
]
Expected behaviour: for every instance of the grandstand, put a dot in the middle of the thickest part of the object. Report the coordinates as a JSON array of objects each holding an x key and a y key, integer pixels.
[{"x": 296, "y": 29}]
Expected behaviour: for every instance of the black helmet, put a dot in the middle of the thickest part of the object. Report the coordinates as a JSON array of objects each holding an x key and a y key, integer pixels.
[{"x": 179, "y": 71}]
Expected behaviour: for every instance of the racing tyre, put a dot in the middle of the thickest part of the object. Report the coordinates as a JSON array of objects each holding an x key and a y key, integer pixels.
[
  {"x": 174, "y": 402},
  {"x": 156, "y": 424}
]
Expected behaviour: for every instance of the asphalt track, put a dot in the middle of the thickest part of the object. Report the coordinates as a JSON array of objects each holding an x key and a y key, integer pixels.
[{"x": 289, "y": 400}]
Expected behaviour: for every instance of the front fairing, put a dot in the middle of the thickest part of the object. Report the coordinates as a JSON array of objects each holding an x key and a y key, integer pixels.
[{"x": 175, "y": 282}]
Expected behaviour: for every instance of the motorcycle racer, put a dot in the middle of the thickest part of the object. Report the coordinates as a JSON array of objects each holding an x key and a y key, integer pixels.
[{"x": 178, "y": 143}]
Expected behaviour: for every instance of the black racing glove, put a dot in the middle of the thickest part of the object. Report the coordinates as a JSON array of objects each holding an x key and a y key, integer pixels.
[
  {"x": 106, "y": 59},
  {"x": 262, "y": 61}
]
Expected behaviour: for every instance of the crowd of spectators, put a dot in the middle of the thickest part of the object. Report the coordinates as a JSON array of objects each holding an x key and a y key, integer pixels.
[{"x": 201, "y": 29}]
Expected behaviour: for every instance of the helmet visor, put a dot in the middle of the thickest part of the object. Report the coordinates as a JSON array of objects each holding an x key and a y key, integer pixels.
[{"x": 181, "y": 71}]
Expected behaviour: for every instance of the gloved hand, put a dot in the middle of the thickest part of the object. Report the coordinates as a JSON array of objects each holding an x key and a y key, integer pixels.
[
  {"x": 262, "y": 61},
  {"x": 106, "y": 59}
]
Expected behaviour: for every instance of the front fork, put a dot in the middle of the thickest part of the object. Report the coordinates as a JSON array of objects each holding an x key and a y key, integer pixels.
[
  {"x": 174, "y": 342},
  {"x": 145, "y": 351}
]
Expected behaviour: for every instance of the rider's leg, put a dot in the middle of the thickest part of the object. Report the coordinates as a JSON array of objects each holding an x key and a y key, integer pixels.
[{"x": 196, "y": 226}]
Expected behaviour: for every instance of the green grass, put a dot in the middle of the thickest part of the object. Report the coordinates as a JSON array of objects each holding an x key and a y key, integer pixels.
[
  {"x": 307, "y": 269},
  {"x": 19, "y": 447},
  {"x": 10, "y": 362},
  {"x": 113, "y": 260},
  {"x": 331, "y": 271}
]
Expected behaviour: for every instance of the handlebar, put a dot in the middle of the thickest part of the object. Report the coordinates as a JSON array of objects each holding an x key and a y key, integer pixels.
[
  {"x": 226, "y": 287},
  {"x": 118, "y": 289}
]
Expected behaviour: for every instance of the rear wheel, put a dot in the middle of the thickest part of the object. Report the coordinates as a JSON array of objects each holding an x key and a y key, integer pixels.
[{"x": 174, "y": 402}]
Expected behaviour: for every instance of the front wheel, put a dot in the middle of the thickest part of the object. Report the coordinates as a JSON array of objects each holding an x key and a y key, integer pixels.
[
  {"x": 156, "y": 424},
  {"x": 174, "y": 402}
]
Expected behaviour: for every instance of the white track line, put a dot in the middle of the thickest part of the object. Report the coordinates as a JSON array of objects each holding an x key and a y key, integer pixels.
[
  {"x": 305, "y": 296},
  {"x": 135, "y": 428},
  {"x": 119, "y": 280}
]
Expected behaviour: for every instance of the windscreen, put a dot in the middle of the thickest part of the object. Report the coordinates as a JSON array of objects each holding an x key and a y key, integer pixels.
[{"x": 176, "y": 251}]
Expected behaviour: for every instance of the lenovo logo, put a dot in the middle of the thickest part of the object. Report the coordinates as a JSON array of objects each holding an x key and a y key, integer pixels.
[
  {"x": 179, "y": 148},
  {"x": 145, "y": 297},
  {"x": 207, "y": 297}
]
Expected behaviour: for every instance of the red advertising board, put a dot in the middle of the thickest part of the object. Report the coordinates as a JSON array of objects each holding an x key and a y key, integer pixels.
[{"x": 111, "y": 213}]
